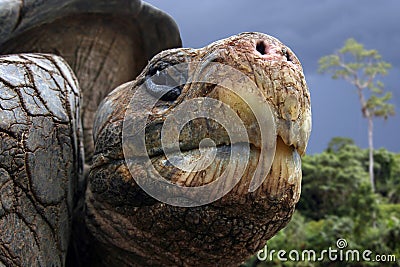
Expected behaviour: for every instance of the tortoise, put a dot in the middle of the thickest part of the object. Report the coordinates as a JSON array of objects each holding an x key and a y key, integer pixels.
[{"x": 76, "y": 187}]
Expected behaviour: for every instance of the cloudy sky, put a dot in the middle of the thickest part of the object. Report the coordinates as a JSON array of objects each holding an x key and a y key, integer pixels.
[{"x": 311, "y": 29}]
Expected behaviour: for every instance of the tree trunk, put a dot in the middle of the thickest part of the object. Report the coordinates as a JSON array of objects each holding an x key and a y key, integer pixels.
[{"x": 371, "y": 153}]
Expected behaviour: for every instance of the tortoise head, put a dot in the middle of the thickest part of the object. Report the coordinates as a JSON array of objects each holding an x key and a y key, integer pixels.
[{"x": 197, "y": 161}]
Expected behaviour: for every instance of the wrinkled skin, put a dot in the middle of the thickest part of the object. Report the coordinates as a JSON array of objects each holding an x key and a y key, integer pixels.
[
  {"x": 131, "y": 228},
  {"x": 40, "y": 158},
  {"x": 42, "y": 186},
  {"x": 106, "y": 43}
]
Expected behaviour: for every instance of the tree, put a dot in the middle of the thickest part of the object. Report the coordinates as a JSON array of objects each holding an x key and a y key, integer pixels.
[{"x": 361, "y": 68}]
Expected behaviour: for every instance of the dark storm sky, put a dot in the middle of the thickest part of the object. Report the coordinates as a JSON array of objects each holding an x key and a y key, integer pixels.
[{"x": 311, "y": 29}]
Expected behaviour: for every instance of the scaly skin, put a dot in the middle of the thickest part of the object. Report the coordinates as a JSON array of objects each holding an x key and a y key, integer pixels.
[
  {"x": 106, "y": 43},
  {"x": 130, "y": 228},
  {"x": 41, "y": 160}
]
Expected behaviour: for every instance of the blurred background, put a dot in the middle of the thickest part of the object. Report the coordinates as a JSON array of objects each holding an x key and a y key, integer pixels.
[{"x": 338, "y": 199}]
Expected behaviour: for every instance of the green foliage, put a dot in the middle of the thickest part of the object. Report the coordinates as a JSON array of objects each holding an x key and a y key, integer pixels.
[
  {"x": 354, "y": 62},
  {"x": 337, "y": 143},
  {"x": 337, "y": 202},
  {"x": 394, "y": 180},
  {"x": 333, "y": 182},
  {"x": 378, "y": 106},
  {"x": 302, "y": 234},
  {"x": 361, "y": 67},
  {"x": 387, "y": 174}
]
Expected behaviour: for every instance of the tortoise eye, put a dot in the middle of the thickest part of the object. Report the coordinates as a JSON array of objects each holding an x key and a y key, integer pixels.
[{"x": 161, "y": 85}]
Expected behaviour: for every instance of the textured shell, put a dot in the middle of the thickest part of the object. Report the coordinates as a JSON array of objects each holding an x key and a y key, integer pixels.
[
  {"x": 30, "y": 113},
  {"x": 106, "y": 43},
  {"x": 40, "y": 158},
  {"x": 17, "y": 17}
]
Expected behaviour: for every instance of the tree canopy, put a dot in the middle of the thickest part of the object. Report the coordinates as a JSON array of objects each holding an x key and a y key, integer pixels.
[{"x": 362, "y": 68}]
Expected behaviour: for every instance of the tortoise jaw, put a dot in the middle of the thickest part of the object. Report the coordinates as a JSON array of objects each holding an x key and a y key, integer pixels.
[
  {"x": 230, "y": 228},
  {"x": 290, "y": 138},
  {"x": 285, "y": 170}
]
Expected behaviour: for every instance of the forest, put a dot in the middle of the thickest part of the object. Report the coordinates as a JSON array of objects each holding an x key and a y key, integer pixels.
[
  {"x": 337, "y": 203},
  {"x": 350, "y": 200}
]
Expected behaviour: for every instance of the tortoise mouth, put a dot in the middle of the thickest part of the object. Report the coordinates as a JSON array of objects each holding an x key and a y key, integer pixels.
[
  {"x": 205, "y": 149},
  {"x": 212, "y": 168},
  {"x": 205, "y": 163}
]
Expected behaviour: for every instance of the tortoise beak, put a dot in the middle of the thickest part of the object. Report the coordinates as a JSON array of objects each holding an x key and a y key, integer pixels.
[{"x": 281, "y": 107}]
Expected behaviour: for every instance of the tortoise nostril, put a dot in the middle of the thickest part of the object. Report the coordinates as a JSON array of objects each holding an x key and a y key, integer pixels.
[
  {"x": 286, "y": 54},
  {"x": 261, "y": 47}
]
